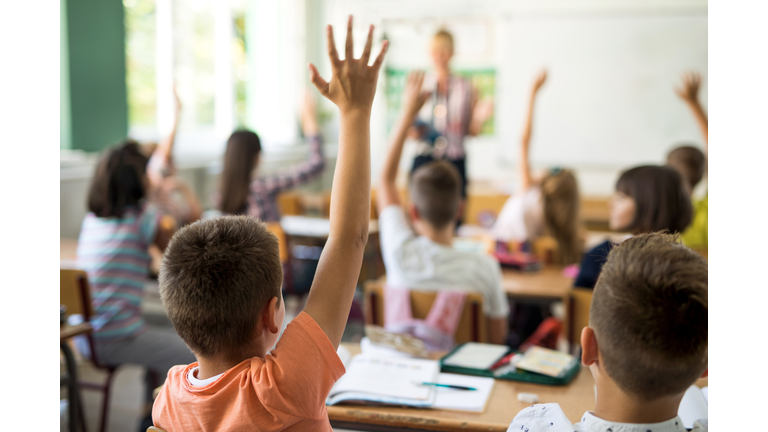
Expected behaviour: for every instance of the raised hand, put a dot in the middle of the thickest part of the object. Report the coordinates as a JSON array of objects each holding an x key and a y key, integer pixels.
[
  {"x": 690, "y": 90},
  {"x": 413, "y": 96},
  {"x": 353, "y": 82},
  {"x": 539, "y": 81}
]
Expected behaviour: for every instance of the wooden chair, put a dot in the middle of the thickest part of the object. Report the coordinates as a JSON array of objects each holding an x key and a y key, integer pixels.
[
  {"x": 75, "y": 294},
  {"x": 578, "y": 316},
  {"x": 285, "y": 258},
  {"x": 473, "y": 326}
]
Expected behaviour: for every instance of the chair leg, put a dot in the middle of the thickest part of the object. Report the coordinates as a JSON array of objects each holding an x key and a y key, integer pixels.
[
  {"x": 81, "y": 415},
  {"x": 105, "y": 400}
]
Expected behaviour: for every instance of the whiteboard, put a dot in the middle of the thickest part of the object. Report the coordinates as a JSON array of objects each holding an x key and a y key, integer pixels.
[{"x": 609, "y": 98}]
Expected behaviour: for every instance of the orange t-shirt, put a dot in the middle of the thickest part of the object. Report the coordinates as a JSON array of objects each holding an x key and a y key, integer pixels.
[{"x": 286, "y": 390}]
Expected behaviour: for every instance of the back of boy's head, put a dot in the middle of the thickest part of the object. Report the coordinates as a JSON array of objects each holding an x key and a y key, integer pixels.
[
  {"x": 661, "y": 199},
  {"x": 119, "y": 180},
  {"x": 690, "y": 162},
  {"x": 560, "y": 193},
  {"x": 216, "y": 276},
  {"x": 435, "y": 190},
  {"x": 649, "y": 315}
]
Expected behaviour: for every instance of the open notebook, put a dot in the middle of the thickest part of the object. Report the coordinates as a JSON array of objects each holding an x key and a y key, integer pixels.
[{"x": 372, "y": 379}]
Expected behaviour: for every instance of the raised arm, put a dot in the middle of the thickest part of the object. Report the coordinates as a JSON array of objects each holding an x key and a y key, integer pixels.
[
  {"x": 523, "y": 165},
  {"x": 161, "y": 161},
  {"x": 351, "y": 88},
  {"x": 413, "y": 100},
  {"x": 689, "y": 93}
]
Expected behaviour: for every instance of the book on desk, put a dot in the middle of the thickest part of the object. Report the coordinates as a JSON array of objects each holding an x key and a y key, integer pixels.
[{"x": 377, "y": 380}]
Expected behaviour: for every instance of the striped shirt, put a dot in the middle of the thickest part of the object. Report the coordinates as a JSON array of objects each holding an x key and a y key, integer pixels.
[
  {"x": 114, "y": 254},
  {"x": 262, "y": 200},
  {"x": 452, "y": 120}
]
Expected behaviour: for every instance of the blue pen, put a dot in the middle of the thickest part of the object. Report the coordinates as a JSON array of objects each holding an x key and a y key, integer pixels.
[{"x": 447, "y": 386}]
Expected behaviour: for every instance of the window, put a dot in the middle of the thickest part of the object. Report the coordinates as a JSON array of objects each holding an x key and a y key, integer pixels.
[{"x": 208, "y": 49}]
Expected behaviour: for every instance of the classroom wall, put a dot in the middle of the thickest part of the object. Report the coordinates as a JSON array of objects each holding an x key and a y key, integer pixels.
[
  {"x": 96, "y": 59},
  {"x": 609, "y": 103}
]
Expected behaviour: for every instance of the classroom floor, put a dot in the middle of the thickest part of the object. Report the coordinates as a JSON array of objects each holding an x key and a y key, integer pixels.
[{"x": 126, "y": 406}]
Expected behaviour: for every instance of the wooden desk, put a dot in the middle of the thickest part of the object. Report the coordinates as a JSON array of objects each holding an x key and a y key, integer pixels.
[
  {"x": 549, "y": 283},
  {"x": 575, "y": 398}
]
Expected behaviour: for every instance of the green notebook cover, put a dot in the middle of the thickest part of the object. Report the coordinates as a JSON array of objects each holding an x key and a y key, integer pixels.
[{"x": 519, "y": 375}]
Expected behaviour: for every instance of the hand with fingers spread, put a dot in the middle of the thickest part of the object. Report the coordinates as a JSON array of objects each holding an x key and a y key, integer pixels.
[
  {"x": 351, "y": 88},
  {"x": 353, "y": 82},
  {"x": 690, "y": 90}
]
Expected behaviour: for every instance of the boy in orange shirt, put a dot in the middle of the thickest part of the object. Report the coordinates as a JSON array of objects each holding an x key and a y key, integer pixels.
[{"x": 221, "y": 286}]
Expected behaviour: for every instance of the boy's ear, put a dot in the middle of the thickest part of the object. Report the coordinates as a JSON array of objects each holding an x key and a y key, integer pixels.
[
  {"x": 269, "y": 315},
  {"x": 589, "y": 351},
  {"x": 460, "y": 211},
  {"x": 413, "y": 212}
]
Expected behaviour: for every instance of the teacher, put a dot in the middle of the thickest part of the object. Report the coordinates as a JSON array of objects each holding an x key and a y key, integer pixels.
[{"x": 450, "y": 113}]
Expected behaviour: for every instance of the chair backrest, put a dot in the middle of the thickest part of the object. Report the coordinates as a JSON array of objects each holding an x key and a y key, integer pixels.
[
  {"x": 75, "y": 293},
  {"x": 473, "y": 326},
  {"x": 547, "y": 249},
  {"x": 277, "y": 230},
  {"x": 581, "y": 299}
]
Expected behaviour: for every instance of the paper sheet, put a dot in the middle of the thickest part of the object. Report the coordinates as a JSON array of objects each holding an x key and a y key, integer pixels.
[
  {"x": 477, "y": 355},
  {"x": 463, "y": 400}
]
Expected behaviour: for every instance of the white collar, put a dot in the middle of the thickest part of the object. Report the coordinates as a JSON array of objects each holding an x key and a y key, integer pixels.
[
  {"x": 198, "y": 382},
  {"x": 593, "y": 423}
]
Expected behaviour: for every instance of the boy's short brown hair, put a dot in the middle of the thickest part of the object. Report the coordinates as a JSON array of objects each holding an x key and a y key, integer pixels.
[
  {"x": 649, "y": 315},
  {"x": 435, "y": 189},
  {"x": 216, "y": 276},
  {"x": 690, "y": 162}
]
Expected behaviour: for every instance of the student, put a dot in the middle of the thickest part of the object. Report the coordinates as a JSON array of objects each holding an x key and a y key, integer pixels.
[
  {"x": 692, "y": 162},
  {"x": 220, "y": 284},
  {"x": 171, "y": 195},
  {"x": 646, "y": 344},
  {"x": 545, "y": 206},
  {"x": 113, "y": 249},
  {"x": 241, "y": 192},
  {"x": 647, "y": 198},
  {"x": 423, "y": 257}
]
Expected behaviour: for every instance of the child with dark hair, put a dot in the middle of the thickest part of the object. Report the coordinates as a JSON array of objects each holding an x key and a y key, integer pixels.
[
  {"x": 646, "y": 343},
  {"x": 647, "y": 198},
  {"x": 113, "y": 249},
  {"x": 220, "y": 284},
  {"x": 692, "y": 162},
  {"x": 242, "y": 192},
  {"x": 422, "y": 257}
]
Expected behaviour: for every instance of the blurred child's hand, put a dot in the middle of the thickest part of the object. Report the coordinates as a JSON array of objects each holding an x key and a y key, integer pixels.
[
  {"x": 413, "y": 96},
  {"x": 541, "y": 78},
  {"x": 353, "y": 82},
  {"x": 690, "y": 90}
]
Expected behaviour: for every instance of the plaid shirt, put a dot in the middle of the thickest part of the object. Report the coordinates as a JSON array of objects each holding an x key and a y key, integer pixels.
[{"x": 262, "y": 201}]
